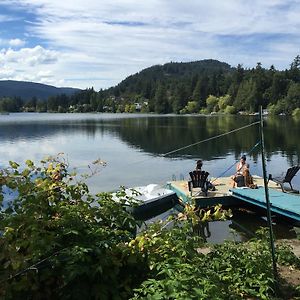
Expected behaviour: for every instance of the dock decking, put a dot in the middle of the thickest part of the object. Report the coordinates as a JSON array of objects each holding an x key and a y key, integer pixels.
[
  {"x": 284, "y": 204},
  {"x": 220, "y": 195}
]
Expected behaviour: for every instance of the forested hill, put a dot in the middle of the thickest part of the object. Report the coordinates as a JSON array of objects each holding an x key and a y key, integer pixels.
[
  {"x": 28, "y": 90},
  {"x": 178, "y": 80},
  {"x": 210, "y": 86},
  {"x": 171, "y": 72}
]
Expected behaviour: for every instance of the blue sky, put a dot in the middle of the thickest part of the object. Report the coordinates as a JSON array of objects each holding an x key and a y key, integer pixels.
[{"x": 97, "y": 44}]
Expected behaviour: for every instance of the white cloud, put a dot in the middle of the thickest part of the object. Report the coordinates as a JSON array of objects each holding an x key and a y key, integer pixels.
[
  {"x": 6, "y": 72},
  {"x": 16, "y": 43},
  {"x": 29, "y": 64},
  {"x": 28, "y": 56},
  {"x": 103, "y": 42}
]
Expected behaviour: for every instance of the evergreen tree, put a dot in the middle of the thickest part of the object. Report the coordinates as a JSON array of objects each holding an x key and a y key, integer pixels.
[
  {"x": 247, "y": 96},
  {"x": 41, "y": 106},
  {"x": 237, "y": 78},
  {"x": 180, "y": 99},
  {"x": 294, "y": 72},
  {"x": 94, "y": 101},
  {"x": 161, "y": 101},
  {"x": 292, "y": 100},
  {"x": 277, "y": 89},
  {"x": 201, "y": 92}
]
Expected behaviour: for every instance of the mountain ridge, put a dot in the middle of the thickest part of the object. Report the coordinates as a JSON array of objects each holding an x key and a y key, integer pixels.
[
  {"x": 174, "y": 71},
  {"x": 27, "y": 90}
]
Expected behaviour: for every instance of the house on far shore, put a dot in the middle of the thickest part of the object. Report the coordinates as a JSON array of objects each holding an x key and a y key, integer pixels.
[{"x": 138, "y": 106}]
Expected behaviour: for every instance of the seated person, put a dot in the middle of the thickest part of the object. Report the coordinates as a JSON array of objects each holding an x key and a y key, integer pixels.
[
  {"x": 199, "y": 165},
  {"x": 248, "y": 179},
  {"x": 238, "y": 178}
]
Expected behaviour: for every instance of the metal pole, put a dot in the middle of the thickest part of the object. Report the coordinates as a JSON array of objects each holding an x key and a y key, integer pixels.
[{"x": 268, "y": 199}]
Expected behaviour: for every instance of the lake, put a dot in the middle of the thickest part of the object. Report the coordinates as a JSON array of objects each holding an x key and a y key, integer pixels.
[{"x": 134, "y": 146}]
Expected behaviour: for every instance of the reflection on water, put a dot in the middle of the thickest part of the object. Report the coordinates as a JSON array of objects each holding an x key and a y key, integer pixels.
[
  {"x": 241, "y": 227},
  {"x": 134, "y": 145},
  {"x": 158, "y": 135},
  {"x": 203, "y": 230},
  {"x": 247, "y": 223}
]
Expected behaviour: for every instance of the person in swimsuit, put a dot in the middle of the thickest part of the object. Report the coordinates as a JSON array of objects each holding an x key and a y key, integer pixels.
[{"x": 238, "y": 177}]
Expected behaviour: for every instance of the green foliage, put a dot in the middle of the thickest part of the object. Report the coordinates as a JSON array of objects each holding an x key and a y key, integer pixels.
[
  {"x": 203, "y": 111},
  {"x": 130, "y": 108},
  {"x": 191, "y": 107},
  {"x": 278, "y": 108},
  {"x": 285, "y": 256},
  {"x": 212, "y": 103},
  {"x": 63, "y": 242},
  {"x": 145, "y": 108},
  {"x": 161, "y": 101},
  {"x": 10, "y": 104},
  {"x": 230, "y": 110},
  {"x": 247, "y": 96},
  {"x": 296, "y": 113},
  {"x": 272, "y": 109},
  {"x": 224, "y": 102},
  {"x": 197, "y": 215},
  {"x": 180, "y": 271},
  {"x": 292, "y": 98}
]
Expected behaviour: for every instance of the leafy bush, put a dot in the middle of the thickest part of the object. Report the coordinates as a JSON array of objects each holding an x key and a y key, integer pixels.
[
  {"x": 212, "y": 103},
  {"x": 179, "y": 271},
  {"x": 296, "y": 113},
  {"x": 230, "y": 110},
  {"x": 58, "y": 241},
  {"x": 278, "y": 108},
  {"x": 285, "y": 256}
]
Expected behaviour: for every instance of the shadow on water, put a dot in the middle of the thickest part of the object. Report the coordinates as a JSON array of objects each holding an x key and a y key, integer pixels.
[{"x": 248, "y": 222}]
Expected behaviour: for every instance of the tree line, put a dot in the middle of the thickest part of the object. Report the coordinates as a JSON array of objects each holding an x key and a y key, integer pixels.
[{"x": 197, "y": 87}]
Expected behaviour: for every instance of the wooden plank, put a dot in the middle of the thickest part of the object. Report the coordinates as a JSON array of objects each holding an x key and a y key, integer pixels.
[{"x": 221, "y": 195}]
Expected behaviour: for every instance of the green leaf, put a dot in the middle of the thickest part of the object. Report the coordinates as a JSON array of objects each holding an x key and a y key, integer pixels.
[
  {"x": 29, "y": 163},
  {"x": 13, "y": 164}
]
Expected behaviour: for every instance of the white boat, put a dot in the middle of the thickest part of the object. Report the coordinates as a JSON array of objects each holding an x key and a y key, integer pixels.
[{"x": 153, "y": 199}]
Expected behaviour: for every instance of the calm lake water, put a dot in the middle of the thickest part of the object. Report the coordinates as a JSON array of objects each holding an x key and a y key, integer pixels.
[{"x": 134, "y": 145}]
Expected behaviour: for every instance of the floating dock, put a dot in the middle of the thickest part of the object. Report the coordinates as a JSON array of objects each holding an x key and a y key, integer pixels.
[{"x": 282, "y": 204}]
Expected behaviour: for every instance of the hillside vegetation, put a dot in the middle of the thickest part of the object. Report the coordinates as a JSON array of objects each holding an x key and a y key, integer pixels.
[{"x": 196, "y": 87}]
